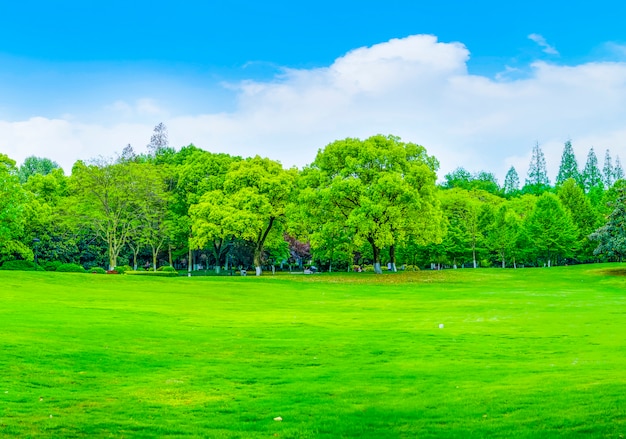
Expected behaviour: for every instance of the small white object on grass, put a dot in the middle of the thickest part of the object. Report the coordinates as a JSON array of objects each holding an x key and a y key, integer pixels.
[
  {"x": 440, "y": 325},
  {"x": 278, "y": 418}
]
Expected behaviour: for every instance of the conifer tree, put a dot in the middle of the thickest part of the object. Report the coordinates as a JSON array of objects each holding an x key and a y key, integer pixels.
[
  {"x": 608, "y": 173},
  {"x": 618, "y": 172},
  {"x": 569, "y": 165},
  {"x": 591, "y": 177},
  {"x": 511, "y": 181},
  {"x": 537, "y": 172}
]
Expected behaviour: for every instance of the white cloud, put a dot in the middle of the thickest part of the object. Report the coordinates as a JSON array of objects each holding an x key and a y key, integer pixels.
[
  {"x": 541, "y": 41},
  {"x": 415, "y": 87}
]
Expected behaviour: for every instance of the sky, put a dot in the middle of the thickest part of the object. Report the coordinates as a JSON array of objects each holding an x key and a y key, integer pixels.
[{"x": 476, "y": 83}]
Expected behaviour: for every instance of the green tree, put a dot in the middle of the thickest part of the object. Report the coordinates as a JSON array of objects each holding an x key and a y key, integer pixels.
[
  {"x": 584, "y": 217},
  {"x": 537, "y": 172},
  {"x": 511, "y": 182},
  {"x": 159, "y": 140},
  {"x": 12, "y": 200},
  {"x": 504, "y": 235},
  {"x": 591, "y": 176},
  {"x": 36, "y": 165},
  {"x": 381, "y": 189},
  {"x": 618, "y": 172},
  {"x": 107, "y": 199},
  {"x": 611, "y": 237},
  {"x": 251, "y": 206},
  {"x": 608, "y": 172},
  {"x": 569, "y": 165},
  {"x": 550, "y": 230}
]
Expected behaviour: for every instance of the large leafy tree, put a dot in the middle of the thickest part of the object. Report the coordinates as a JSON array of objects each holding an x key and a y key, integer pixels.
[
  {"x": 381, "y": 189},
  {"x": 569, "y": 166},
  {"x": 250, "y": 206},
  {"x": 550, "y": 230},
  {"x": 12, "y": 200},
  {"x": 504, "y": 235},
  {"x": 108, "y": 197}
]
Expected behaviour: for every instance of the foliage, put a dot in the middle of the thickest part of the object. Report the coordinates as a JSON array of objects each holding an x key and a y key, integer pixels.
[
  {"x": 537, "y": 172},
  {"x": 97, "y": 270},
  {"x": 608, "y": 171},
  {"x": 611, "y": 237},
  {"x": 36, "y": 166},
  {"x": 50, "y": 265},
  {"x": 511, "y": 182},
  {"x": 569, "y": 166},
  {"x": 20, "y": 265},
  {"x": 70, "y": 268},
  {"x": 122, "y": 269},
  {"x": 167, "y": 268},
  {"x": 152, "y": 273},
  {"x": 591, "y": 176}
]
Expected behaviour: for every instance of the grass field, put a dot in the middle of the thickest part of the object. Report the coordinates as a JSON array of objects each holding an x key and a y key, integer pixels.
[{"x": 537, "y": 353}]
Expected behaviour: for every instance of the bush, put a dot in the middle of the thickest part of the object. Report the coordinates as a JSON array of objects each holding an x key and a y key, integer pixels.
[
  {"x": 168, "y": 268},
  {"x": 70, "y": 268},
  {"x": 98, "y": 270},
  {"x": 121, "y": 269},
  {"x": 20, "y": 265},
  {"x": 411, "y": 268},
  {"x": 153, "y": 273},
  {"x": 51, "y": 265}
]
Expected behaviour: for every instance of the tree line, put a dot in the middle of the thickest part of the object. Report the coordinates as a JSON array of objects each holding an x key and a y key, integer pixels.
[{"x": 361, "y": 204}]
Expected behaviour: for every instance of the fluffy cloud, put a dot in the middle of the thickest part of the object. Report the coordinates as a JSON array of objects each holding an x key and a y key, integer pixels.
[{"x": 417, "y": 88}]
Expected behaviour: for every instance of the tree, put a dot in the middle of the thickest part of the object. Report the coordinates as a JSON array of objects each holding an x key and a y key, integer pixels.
[
  {"x": 511, "y": 182},
  {"x": 460, "y": 178},
  {"x": 608, "y": 173},
  {"x": 537, "y": 172},
  {"x": 569, "y": 165},
  {"x": 159, "y": 140},
  {"x": 618, "y": 172},
  {"x": 550, "y": 229},
  {"x": 584, "y": 217},
  {"x": 381, "y": 189},
  {"x": 251, "y": 205},
  {"x": 36, "y": 165},
  {"x": 611, "y": 237},
  {"x": 12, "y": 200},
  {"x": 504, "y": 234},
  {"x": 107, "y": 199},
  {"x": 591, "y": 176}
]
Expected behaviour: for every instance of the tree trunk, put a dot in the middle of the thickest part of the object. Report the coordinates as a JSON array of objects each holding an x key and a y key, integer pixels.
[
  {"x": 392, "y": 257},
  {"x": 474, "y": 255},
  {"x": 257, "y": 259},
  {"x": 189, "y": 262},
  {"x": 376, "y": 252},
  {"x": 169, "y": 254}
]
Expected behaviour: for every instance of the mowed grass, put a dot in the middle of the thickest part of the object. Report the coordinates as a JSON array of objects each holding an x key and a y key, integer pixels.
[{"x": 523, "y": 353}]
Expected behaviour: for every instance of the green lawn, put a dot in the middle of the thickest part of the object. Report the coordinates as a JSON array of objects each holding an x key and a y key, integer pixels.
[{"x": 523, "y": 353}]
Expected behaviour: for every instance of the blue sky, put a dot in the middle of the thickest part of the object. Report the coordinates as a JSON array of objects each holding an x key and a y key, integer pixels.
[{"x": 84, "y": 78}]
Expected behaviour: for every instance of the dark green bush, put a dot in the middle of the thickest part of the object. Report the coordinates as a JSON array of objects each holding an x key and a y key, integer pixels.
[
  {"x": 51, "y": 265},
  {"x": 152, "y": 273},
  {"x": 168, "y": 268},
  {"x": 98, "y": 270},
  {"x": 121, "y": 269},
  {"x": 20, "y": 265},
  {"x": 70, "y": 268}
]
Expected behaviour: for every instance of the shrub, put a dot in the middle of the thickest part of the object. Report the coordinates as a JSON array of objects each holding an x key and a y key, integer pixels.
[
  {"x": 51, "y": 265},
  {"x": 153, "y": 273},
  {"x": 411, "y": 268},
  {"x": 98, "y": 270},
  {"x": 121, "y": 269},
  {"x": 20, "y": 265},
  {"x": 70, "y": 268},
  {"x": 168, "y": 268}
]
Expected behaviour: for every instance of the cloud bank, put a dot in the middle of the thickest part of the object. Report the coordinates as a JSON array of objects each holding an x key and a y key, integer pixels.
[{"x": 416, "y": 87}]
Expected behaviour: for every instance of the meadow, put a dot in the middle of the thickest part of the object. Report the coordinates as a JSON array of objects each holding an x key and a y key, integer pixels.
[{"x": 527, "y": 353}]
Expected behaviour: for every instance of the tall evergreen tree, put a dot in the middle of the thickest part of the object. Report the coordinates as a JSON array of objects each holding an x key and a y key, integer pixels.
[
  {"x": 159, "y": 140},
  {"x": 608, "y": 173},
  {"x": 511, "y": 181},
  {"x": 618, "y": 172},
  {"x": 537, "y": 172},
  {"x": 569, "y": 165},
  {"x": 591, "y": 177}
]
